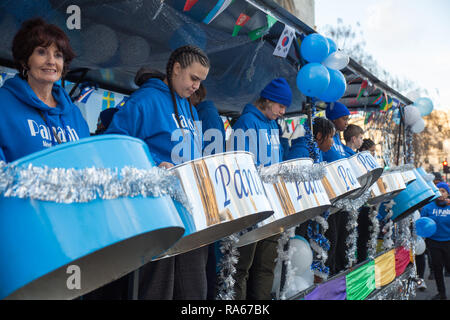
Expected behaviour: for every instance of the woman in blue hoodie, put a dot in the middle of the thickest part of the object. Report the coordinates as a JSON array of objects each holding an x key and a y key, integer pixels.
[
  {"x": 439, "y": 242},
  {"x": 36, "y": 112},
  {"x": 257, "y": 131},
  {"x": 153, "y": 113}
]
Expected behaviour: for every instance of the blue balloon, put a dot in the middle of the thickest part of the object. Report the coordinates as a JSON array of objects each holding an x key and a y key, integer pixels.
[
  {"x": 336, "y": 88},
  {"x": 425, "y": 227},
  {"x": 425, "y": 106},
  {"x": 333, "y": 45},
  {"x": 315, "y": 48},
  {"x": 313, "y": 79}
]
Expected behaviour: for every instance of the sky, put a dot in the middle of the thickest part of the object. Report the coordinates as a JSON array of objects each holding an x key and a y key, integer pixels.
[{"x": 408, "y": 38}]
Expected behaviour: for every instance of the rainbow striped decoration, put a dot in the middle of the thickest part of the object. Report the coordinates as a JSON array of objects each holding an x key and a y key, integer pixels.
[{"x": 361, "y": 282}]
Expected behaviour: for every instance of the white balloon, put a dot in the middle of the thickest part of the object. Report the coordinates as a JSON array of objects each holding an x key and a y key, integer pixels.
[
  {"x": 412, "y": 115},
  {"x": 419, "y": 246},
  {"x": 302, "y": 257},
  {"x": 336, "y": 60},
  {"x": 419, "y": 126}
]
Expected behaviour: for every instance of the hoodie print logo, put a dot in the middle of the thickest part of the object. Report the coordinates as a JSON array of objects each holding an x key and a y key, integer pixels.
[
  {"x": 185, "y": 123},
  {"x": 46, "y": 134}
]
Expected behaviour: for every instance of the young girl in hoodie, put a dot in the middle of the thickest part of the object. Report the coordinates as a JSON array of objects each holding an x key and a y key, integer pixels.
[
  {"x": 153, "y": 113},
  {"x": 36, "y": 112}
]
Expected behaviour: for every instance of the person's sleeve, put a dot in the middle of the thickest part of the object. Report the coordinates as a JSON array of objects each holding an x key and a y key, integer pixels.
[{"x": 127, "y": 121}]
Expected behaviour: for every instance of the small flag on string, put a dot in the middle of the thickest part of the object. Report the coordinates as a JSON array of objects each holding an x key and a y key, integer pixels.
[
  {"x": 85, "y": 92},
  {"x": 2, "y": 78},
  {"x": 226, "y": 124},
  {"x": 108, "y": 100},
  {"x": 189, "y": 4},
  {"x": 362, "y": 89},
  {"x": 378, "y": 99},
  {"x": 369, "y": 117},
  {"x": 220, "y": 6},
  {"x": 284, "y": 42},
  {"x": 240, "y": 22},
  {"x": 258, "y": 33},
  {"x": 290, "y": 125},
  {"x": 395, "y": 103},
  {"x": 122, "y": 103},
  {"x": 387, "y": 104}
]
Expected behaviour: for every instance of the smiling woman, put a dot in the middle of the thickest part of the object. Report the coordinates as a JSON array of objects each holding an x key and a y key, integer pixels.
[{"x": 36, "y": 112}]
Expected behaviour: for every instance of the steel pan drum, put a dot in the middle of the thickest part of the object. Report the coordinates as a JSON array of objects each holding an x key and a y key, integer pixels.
[
  {"x": 387, "y": 187},
  {"x": 415, "y": 196},
  {"x": 408, "y": 176},
  {"x": 106, "y": 239},
  {"x": 367, "y": 171},
  {"x": 433, "y": 187},
  {"x": 226, "y": 194},
  {"x": 340, "y": 180},
  {"x": 293, "y": 203}
]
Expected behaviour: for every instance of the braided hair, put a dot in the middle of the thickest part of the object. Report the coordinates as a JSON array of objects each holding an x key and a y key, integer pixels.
[
  {"x": 324, "y": 126},
  {"x": 366, "y": 145},
  {"x": 185, "y": 56}
]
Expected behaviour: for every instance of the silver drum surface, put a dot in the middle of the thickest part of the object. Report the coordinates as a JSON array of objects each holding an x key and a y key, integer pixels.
[
  {"x": 293, "y": 203},
  {"x": 367, "y": 171},
  {"x": 340, "y": 180},
  {"x": 226, "y": 195},
  {"x": 408, "y": 176},
  {"x": 387, "y": 187}
]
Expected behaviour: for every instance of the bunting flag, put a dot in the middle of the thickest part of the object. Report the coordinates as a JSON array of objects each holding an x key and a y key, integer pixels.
[
  {"x": 284, "y": 42},
  {"x": 240, "y": 22},
  {"x": 361, "y": 282},
  {"x": 297, "y": 43},
  {"x": 85, "y": 92},
  {"x": 395, "y": 103},
  {"x": 386, "y": 104},
  {"x": 189, "y": 4},
  {"x": 258, "y": 33},
  {"x": 290, "y": 125},
  {"x": 362, "y": 89},
  {"x": 226, "y": 124},
  {"x": 122, "y": 103},
  {"x": 378, "y": 99},
  {"x": 108, "y": 100},
  {"x": 220, "y": 6},
  {"x": 385, "y": 269},
  {"x": 369, "y": 117}
]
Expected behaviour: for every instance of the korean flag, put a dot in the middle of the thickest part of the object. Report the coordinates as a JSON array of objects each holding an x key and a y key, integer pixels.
[{"x": 284, "y": 42}]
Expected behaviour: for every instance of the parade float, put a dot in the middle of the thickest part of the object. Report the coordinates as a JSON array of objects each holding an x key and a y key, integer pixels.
[{"x": 102, "y": 205}]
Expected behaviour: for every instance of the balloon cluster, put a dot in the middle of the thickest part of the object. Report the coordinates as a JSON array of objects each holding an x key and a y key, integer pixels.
[
  {"x": 320, "y": 77},
  {"x": 413, "y": 114}
]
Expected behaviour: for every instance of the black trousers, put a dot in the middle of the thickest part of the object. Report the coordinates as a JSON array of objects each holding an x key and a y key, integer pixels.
[
  {"x": 337, "y": 234},
  {"x": 440, "y": 259}
]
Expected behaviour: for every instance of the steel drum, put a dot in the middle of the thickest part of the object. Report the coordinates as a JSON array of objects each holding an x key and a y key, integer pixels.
[
  {"x": 417, "y": 194},
  {"x": 408, "y": 176},
  {"x": 340, "y": 180},
  {"x": 105, "y": 239},
  {"x": 433, "y": 187},
  {"x": 367, "y": 171},
  {"x": 226, "y": 194},
  {"x": 387, "y": 187},
  {"x": 293, "y": 203}
]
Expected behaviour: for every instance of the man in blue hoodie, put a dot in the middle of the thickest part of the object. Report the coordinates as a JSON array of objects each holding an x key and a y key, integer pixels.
[
  {"x": 337, "y": 233},
  {"x": 439, "y": 242},
  {"x": 257, "y": 131}
]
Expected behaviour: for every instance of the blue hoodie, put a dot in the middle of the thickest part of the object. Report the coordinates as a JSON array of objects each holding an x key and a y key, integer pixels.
[
  {"x": 299, "y": 149},
  {"x": 23, "y": 130},
  {"x": 337, "y": 150},
  {"x": 440, "y": 215},
  {"x": 210, "y": 118},
  {"x": 149, "y": 115},
  {"x": 348, "y": 151},
  {"x": 253, "y": 118}
]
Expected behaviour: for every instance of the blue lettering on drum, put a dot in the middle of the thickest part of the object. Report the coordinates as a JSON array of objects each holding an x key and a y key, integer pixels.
[
  {"x": 311, "y": 187},
  {"x": 367, "y": 161},
  {"x": 241, "y": 187},
  {"x": 347, "y": 176}
]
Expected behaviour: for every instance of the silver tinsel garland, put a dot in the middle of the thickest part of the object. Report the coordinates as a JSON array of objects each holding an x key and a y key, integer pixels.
[
  {"x": 402, "y": 288},
  {"x": 374, "y": 231},
  {"x": 320, "y": 246},
  {"x": 388, "y": 243},
  {"x": 285, "y": 257},
  {"x": 83, "y": 185},
  {"x": 292, "y": 172},
  {"x": 227, "y": 267}
]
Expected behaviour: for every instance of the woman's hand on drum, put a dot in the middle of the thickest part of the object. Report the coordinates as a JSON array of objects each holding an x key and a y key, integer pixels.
[{"x": 165, "y": 165}]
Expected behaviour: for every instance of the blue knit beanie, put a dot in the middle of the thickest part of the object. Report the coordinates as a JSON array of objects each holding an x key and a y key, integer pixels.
[
  {"x": 335, "y": 110},
  {"x": 443, "y": 185},
  {"x": 278, "y": 90}
]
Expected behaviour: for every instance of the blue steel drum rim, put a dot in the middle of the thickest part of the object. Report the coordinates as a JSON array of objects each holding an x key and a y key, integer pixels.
[{"x": 72, "y": 144}]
